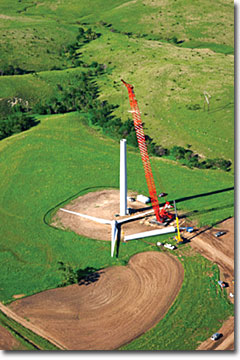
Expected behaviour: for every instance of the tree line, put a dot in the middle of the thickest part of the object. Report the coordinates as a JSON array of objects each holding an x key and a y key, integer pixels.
[{"x": 81, "y": 94}]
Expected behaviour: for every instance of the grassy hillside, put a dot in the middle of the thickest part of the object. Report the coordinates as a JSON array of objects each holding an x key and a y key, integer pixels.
[
  {"x": 168, "y": 82},
  {"x": 210, "y": 23},
  {"x": 172, "y": 53}
]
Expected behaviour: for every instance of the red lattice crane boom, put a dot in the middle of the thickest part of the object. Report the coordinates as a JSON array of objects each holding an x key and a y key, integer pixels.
[{"x": 143, "y": 150}]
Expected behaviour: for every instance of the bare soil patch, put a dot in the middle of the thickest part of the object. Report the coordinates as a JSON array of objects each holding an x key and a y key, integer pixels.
[
  {"x": 102, "y": 204},
  {"x": 122, "y": 304},
  {"x": 18, "y": 296},
  {"x": 8, "y": 341}
]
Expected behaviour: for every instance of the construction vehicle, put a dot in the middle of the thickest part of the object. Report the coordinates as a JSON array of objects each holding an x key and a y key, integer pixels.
[
  {"x": 178, "y": 237},
  {"x": 220, "y": 233},
  {"x": 169, "y": 246},
  {"x": 216, "y": 336},
  {"x": 223, "y": 284},
  {"x": 162, "y": 194},
  {"x": 163, "y": 212},
  {"x": 162, "y": 215}
]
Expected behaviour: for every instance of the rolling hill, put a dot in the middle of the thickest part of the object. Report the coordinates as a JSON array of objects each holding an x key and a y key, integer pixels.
[{"x": 171, "y": 52}]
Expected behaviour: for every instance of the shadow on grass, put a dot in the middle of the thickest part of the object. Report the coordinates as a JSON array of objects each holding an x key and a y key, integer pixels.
[
  {"x": 204, "y": 194},
  {"x": 47, "y": 215},
  {"x": 186, "y": 198},
  {"x": 230, "y": 104},
  {"x": 201, "y": 212}
]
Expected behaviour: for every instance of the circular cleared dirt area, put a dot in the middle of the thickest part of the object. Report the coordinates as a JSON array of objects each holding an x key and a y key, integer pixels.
[
  {"x": 110, "y": 309},
  {"x": 102, "y": 204}
]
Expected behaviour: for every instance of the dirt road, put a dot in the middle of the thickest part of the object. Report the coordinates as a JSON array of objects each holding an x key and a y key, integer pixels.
[
  {"x": 226, "y": 342},
  {"x": 118, "y": 305},
  {"x": 220, "y": 251}
]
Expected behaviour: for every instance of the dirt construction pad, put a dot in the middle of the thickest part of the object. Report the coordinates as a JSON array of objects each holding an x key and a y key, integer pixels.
[
  {"x": 120, "y": 304},
  {"x": 102, "y": 204}
]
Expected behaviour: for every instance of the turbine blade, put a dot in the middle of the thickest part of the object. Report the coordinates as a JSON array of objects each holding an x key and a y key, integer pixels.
[{"x": 114, "y": 236}]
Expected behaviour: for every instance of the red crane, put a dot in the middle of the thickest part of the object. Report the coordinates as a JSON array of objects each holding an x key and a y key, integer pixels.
[
  {"x": 163, "y": 214},
  {"x": 160, "y": 216}
]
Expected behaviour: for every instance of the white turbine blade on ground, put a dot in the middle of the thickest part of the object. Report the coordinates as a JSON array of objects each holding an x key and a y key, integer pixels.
[
  {"x": 114, "y": 236},
  {"x": 105, "y": 221},
  {"x": 135, "y": 217},
  {"x": 167, "y": 230},
  {"x": 98, "y": 220}
]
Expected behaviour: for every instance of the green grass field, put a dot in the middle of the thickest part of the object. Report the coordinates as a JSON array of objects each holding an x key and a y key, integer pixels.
[
  {"x": 171, "y": 52},
  {"x": 61, "y": 158},
  {"x": 168, "y": 77},
  {"x": 168, "y": 80}
]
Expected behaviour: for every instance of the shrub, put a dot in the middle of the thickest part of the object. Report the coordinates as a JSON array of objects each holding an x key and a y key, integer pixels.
[
  {"x": 69, "y": 276},
  {"x": 222, "y": 164},
  {"x": 126, "y": 128},
  {"x": 174, "y": 40},
  {"x": 193, "y": 162},
  {"x": 160, "y": 151},
  {"x": 193, "y": 107},
  {"x": 150, "y": 145},
  {"x": 11, "y": 70},
  {"x": 127, "y": 131},
  {"x": 15, "y": 123},
  {"x": 188, "y": 155},
  {"x": 178, "y": 152},
  {"x": 207, "y": 164}
]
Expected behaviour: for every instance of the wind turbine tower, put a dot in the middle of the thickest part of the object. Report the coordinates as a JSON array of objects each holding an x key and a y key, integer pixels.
[{"x": 123, "y": 178}]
